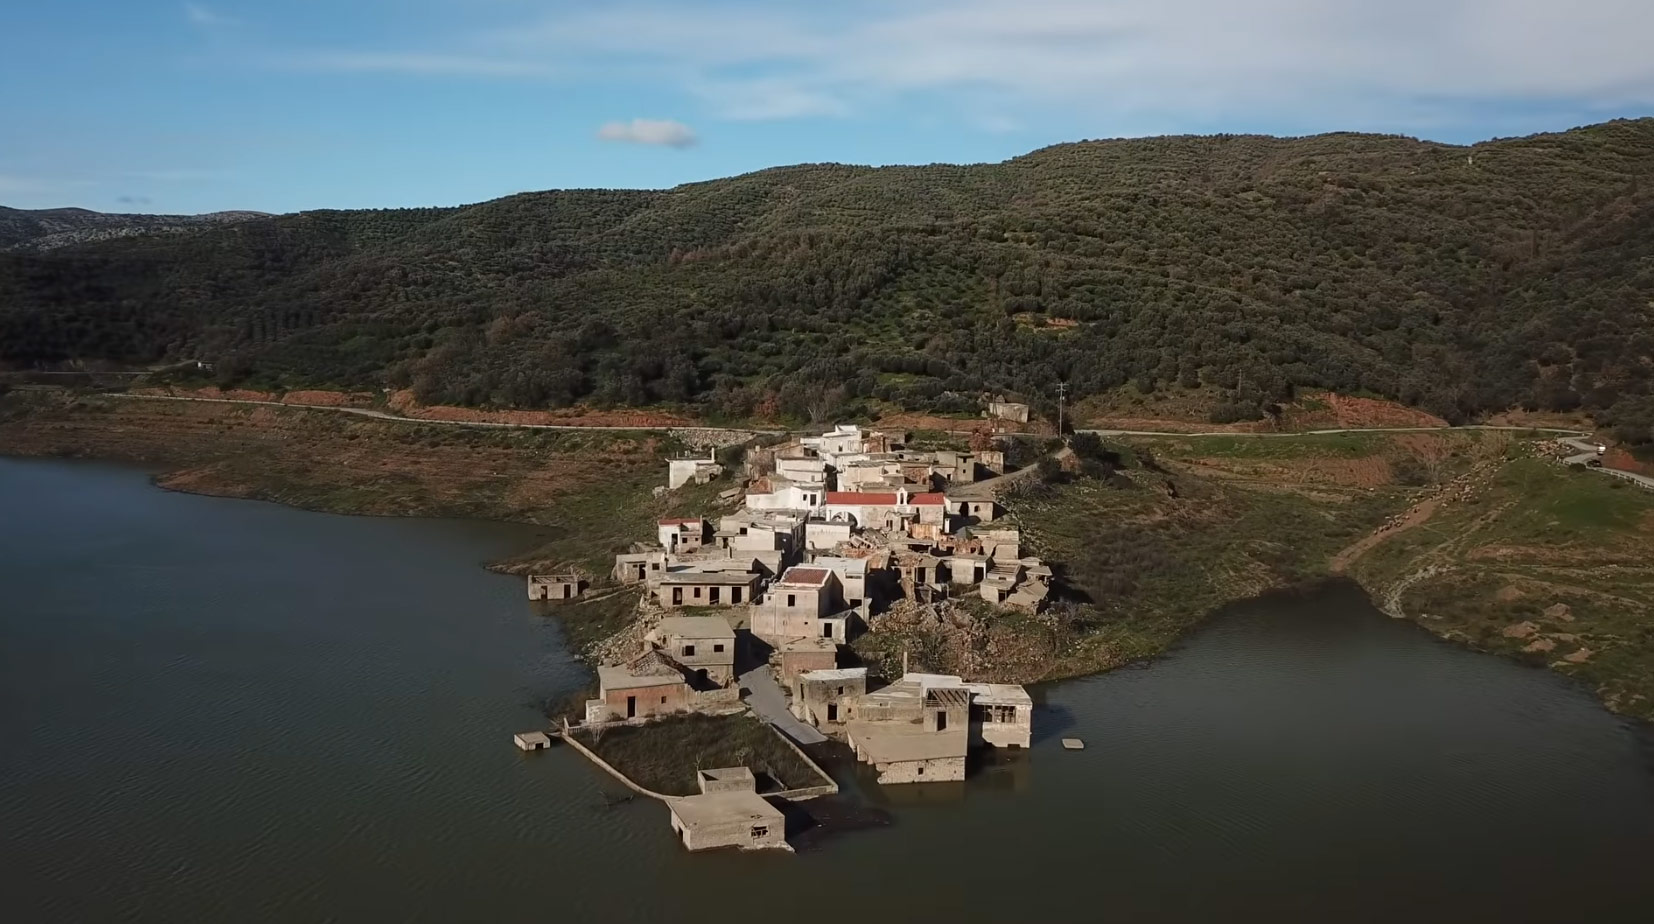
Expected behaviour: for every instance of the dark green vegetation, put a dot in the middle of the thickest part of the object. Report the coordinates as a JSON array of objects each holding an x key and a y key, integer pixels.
[
  {"x": 1460, "y": 280},
  {"x": 663, "y": 756}
]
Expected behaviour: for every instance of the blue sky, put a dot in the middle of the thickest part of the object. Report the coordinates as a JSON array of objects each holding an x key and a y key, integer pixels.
[{"x": 153, "y": 105}]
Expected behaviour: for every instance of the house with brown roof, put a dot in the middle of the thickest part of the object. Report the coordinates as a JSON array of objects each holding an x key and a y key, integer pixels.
[
  {"x": 805, "y": 603},
  {"x": 648, "y": 685},
  {"x": 679, "y": 535}
]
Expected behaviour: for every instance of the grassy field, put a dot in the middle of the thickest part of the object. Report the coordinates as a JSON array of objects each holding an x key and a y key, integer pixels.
[
  {"x": 1186, "y": 525},
  {"x": 1542, "y": 563},
  {"x": 663, "y": 756}
]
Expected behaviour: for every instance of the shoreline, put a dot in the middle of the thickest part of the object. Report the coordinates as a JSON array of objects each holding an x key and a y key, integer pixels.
[{"x": 340, "y": 477}]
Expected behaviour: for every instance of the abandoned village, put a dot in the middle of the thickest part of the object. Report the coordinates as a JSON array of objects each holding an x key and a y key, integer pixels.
[{"x": 753, "y": 611}]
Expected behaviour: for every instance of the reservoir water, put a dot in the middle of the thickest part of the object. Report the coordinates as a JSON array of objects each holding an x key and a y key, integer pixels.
[{"x": 215, "y": 709}]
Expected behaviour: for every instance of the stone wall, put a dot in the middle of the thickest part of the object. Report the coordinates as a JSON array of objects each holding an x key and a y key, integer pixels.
[{"x": 941, "y": 769}]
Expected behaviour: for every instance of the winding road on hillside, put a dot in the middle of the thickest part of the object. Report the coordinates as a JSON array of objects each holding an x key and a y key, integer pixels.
[
  {"x": 1588, "y": 451},
  {"x": 1574, "y": 438}
]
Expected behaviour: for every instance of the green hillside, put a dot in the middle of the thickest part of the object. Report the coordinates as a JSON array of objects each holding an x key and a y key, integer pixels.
[{"x": 1461, "y": 280}]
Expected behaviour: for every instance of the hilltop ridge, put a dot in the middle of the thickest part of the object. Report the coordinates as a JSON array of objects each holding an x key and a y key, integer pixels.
[{"x": 1462, "y": 280}]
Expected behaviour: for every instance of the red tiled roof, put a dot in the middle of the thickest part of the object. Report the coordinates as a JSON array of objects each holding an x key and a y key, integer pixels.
[
  {"x": 928, "y": 499},
  {"x": 853, "y": 498},
  {"x": 812, "y": 577},
  {"x": 680, "y": 521}
]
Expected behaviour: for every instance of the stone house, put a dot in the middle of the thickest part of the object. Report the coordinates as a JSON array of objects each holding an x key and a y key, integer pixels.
[
  {"x": 823, "y": 698},
  {"x": 554, "y": 586},
  {"x": 737, "y": 818},
  {"x": 639, "y": 567},
  {"x": 974, "y": 509},
  {"x": 852, "y": 580},
  {"x": 1014, "y": 411},
  {"x": 822, "y": 535},
  {"x": 800, "y": 605},
  {"x": 800, "y": 655},
  {"x": 923, "y": 577},
  {"x": 649, "y": 685},
  {"x": 681, "y": 535},
  {"x": 911, "y": 734},
  {"x": 680, "y": 472},
  {"x": 693, "y": 587},
  {"x": 703, "y": 645},
  {"x": 1001, "y": 714},
  {"x": 806, "y": 472}
]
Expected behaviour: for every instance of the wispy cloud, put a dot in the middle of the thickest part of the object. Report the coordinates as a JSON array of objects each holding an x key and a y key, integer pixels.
[
  {"x": 176, "y": 175},
  {"x": 661, "y": 132},
  {"x": 205, "y": 16},
  {"x": 134, "y": 200},
  {"x": 13, "y": 184},
  {"x": 1188, "y": 57},
  {"x": 1171, "y": 61},
  {"x": 414, "y": 63}
]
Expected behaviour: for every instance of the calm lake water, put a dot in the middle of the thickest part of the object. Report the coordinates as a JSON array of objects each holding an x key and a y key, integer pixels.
[{"x": 215, "y": 709}]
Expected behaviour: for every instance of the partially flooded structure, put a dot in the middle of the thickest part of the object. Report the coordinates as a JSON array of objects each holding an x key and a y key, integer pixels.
[
  {"x": 728, "y": 813},
  {"x": 554, "y": 586}
]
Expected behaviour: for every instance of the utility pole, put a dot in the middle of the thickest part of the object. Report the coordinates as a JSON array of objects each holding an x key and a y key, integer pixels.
[{"x": 1062, "y": 393}]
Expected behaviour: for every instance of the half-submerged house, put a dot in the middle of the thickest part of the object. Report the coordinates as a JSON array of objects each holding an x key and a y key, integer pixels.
[{"x": 728, "y": 813}]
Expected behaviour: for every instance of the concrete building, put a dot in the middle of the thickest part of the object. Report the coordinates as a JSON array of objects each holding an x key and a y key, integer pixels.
[
  {"x": 680, "y": 472},
  {"x": 800, "y": 605},
  {"x": 647, "y": 686},
  {"x": 761, "y": 531},
  {"x": 1001, "y": 714},
  {"x": 843, "y": 439},
  {"x": 638, "y": 567},
  {"x": 694, "y": 587},
  {"x": 911, "y": 734},
  {"x": 822, "y": 535},
  {"x": 800, "y": 655},
  {"x": 890, "y": 510},
  {"x": 1013, "y": 411},
  {"x": 681, "y": 535},
  {"x": 703, "y": 645},
  {"x": 823, "y": 698},
  {"x": 782, "y": 494},
  {"x": 554, "y": 586},
  {"x": 978, "y": 510},
  {"x": 728, "y": 819},
  {"x": 806, "y": 471},
  {"x": 852, "y": 580},
  {"x": 726, "y": 779}
]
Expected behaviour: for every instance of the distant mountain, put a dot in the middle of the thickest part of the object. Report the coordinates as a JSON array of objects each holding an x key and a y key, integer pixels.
[
  {"x": 1463, "y": 280},
  {"x": 46, "y": 229}
]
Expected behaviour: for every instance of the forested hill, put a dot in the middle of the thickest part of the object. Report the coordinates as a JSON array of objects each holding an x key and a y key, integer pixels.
[
  {"x": 44, "y": 229},
  {"x": 1461, "y": 280}
]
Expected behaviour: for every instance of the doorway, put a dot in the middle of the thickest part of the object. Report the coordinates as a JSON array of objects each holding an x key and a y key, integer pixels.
[{"x": 631, "y": 707}]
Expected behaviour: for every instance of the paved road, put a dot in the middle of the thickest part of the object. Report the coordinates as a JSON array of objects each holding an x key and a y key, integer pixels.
[
  {"x": 384, "y": 415},
  {"x": 766, "y": 699},
  {"x": 1588, "y": 451},
  {"x": 1344, "y": 430}
]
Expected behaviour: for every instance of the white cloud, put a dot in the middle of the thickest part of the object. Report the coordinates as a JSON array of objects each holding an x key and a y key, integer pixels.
[
  {"x": 663, "y": 132},
  {"x": 989, "y": 63},
  {"x": 1183, "y": 57}
]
